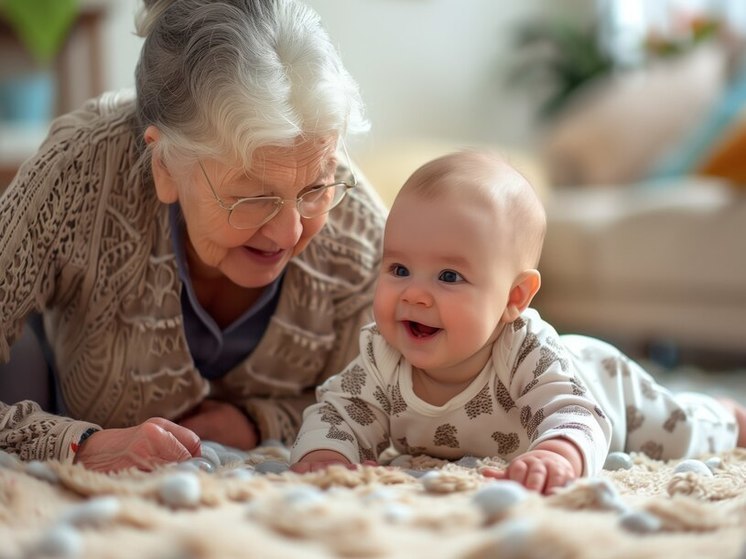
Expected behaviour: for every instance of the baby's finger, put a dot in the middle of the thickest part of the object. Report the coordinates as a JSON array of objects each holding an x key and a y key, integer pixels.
[
  {"x": 300, "y": 467},
  {"x": 517, "y": 471},
  {"x": 556, "y": 479},
  {"x": 494, "y": 473},
  {"x": 536, "y": 477}
]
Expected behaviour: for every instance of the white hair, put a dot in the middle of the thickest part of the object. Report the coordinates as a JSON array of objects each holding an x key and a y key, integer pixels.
[{"x": 221, "y": 78}]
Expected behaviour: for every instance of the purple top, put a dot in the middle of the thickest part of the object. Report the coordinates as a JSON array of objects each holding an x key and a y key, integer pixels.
[{"x": 215, "y": 351}]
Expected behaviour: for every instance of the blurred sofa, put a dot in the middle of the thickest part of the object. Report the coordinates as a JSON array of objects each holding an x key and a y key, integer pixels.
[{"x": 649, "y": 266}]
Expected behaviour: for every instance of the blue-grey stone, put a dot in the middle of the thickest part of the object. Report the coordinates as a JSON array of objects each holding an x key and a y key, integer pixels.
[
  {"x": 209, "y": 453},
  {"x": 242, "y": 473},
  {"x": 418, "y": 473},
  {"x": 691, "y": 465},
  {"x": 468, "y": 462},
  {"x": 10, "y": 461},
  {"x": 401, "y": 461},
  {"x": 640, "y": 522},
  {"x": 304, "y": 496},
  {"x": 618, "y": 461},
  {"x": 494, "y": 499},
  {"x": 271, "y": 467},
  {"x": 397, "y": 513},
  {"x": 180, "y": 489},
  {"x": 42, "y": 471},
  {"x": 62, "y": 541},
  {"x": 714, "y": 463},
  {"x": 94, "y": 512},
  {"x": 196, "y": 464}
]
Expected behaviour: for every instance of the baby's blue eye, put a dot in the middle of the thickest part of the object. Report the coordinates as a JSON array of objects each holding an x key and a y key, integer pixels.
[
  {"x": 450, "y": 276},
  {"x": 399, "y": 271}
]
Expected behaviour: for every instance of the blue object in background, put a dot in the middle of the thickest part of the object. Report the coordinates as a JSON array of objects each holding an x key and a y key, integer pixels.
[
  {"x": 27, "y": 98},
  {"x": 696, "y": 147}
]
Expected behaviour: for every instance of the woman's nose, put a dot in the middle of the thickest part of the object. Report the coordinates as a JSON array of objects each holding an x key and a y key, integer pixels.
[{"x": 285, "y": 228}]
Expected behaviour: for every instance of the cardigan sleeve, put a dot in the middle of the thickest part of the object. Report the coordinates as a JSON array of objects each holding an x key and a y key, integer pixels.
[
  {"x": 38, "y": 218},
  {"x": 352, "y": 413}
]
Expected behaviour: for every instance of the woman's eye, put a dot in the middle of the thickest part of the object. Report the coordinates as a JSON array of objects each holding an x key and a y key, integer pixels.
[
  {"x": 449, "y": 276},
  {"x": 399, "y": 271}
]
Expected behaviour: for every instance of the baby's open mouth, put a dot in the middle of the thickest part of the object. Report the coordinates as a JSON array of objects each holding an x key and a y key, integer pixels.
[{"x": 419, "y": 330}]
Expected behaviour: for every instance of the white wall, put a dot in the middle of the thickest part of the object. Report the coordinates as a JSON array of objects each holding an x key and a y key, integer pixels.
[{"x": 427, "y": 68}]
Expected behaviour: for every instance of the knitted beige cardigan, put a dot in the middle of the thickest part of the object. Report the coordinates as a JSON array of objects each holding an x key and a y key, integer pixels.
[{"x": 86, "y": 241}]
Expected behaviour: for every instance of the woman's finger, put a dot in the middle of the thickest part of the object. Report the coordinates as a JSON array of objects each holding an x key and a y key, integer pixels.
[{"x": 188, "y": 439}]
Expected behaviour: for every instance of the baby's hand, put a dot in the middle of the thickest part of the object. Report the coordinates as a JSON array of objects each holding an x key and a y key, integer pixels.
[
  {"x": 320, "y": 460},
  {"x": 543, "y": 469}
]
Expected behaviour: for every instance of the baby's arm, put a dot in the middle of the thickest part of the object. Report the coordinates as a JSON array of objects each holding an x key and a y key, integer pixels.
[
  {"x": 348, "y": 425},
  {"x": 549, "y": 465},
  {"x": 318, "y": 460}
]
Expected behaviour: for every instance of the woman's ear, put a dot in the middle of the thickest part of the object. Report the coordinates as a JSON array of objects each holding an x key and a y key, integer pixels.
[
  {"x": 165, "y": 185},
  {"x": 525, "y": 286}
]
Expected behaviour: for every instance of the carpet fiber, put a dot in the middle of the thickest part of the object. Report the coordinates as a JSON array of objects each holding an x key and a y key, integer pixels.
[{"x": 55, "y": 510}]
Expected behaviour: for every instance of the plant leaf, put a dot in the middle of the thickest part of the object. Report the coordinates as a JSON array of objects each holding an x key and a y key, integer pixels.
[{"x": 41, "y": 25}]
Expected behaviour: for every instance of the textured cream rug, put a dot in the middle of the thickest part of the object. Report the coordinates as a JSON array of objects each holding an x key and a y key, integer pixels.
[{"x": 54, "y": 510}]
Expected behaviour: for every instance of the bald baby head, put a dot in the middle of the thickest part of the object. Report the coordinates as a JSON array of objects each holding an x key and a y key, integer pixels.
[{"x": 486, "y": 177}]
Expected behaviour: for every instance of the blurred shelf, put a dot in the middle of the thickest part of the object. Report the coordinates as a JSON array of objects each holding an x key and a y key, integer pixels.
[
  {"x": 19, "y": 141},
  {"x": 78, "y": 71}
]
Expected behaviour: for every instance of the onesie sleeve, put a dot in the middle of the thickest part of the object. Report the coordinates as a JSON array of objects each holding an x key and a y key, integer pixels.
[
  {"x": 551, "y": 398},
  {"x": 350, "y": 416}
]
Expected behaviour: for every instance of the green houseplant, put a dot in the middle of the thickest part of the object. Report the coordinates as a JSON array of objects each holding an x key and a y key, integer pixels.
[
  {"x": 41, "y": 27},
  {"x": 560, "y": 56}
]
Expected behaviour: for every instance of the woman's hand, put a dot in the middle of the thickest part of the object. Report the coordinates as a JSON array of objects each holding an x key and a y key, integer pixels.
[
  {"x": 222, "y": 423},
  {"x": 153, "y": 443}
]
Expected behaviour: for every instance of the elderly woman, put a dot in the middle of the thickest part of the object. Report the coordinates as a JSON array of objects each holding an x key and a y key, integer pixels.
[{"x": 202, "y": 254}]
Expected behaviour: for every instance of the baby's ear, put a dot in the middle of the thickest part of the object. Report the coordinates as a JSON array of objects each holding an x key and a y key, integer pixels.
[
  {"x": 165, "y": 186},
  {"x": 525, "y": 286}
]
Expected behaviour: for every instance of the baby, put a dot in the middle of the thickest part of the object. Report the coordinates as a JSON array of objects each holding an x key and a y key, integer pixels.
[{"x": 457, "y": 363}]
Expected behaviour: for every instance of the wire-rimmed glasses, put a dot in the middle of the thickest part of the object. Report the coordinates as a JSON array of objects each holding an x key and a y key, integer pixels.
[{"x": 255, "y": 211}]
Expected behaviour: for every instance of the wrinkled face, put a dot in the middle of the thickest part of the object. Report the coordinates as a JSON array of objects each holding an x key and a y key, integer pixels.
[
  {"x": 255, "y": 257},
  {"x": 444, "y": 284}
]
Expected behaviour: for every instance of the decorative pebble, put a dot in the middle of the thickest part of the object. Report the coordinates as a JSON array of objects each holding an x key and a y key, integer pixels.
[
  {"x": 606, "y": 494},
  {"x": 61, "y": 542},
  {"x": 397, "y": 513},
  {"x": 468, "y": 462},
  {"x": 714, "y": 463},
  {"x": 231, "y": 458},
  {"x": 618, "y": 461},
  {"x": 271, "y": 467},
  {"x": 418, "y": 473},
  {"x": 217, "y": 447},
  {"x": 494, "y": 499},
  {"x": 402, "y": 461},
  {"x": 640, "y": 522},
  {"x": 196, "y": 464},
  {"x": 10, "y": 461},
  {"x": 42, "y": 471},
  {"x": 180, "y": 489},
  {"x": 695, "y": 466},
  {"x": 379, "y": 494},
  {"x": 95, "y": 512},
  {"x": 243, "y": 473},
  {"x": 304, "y": 496},
  {"x": 430, "y": 479},
  {"x": 209, "y": 453}
]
